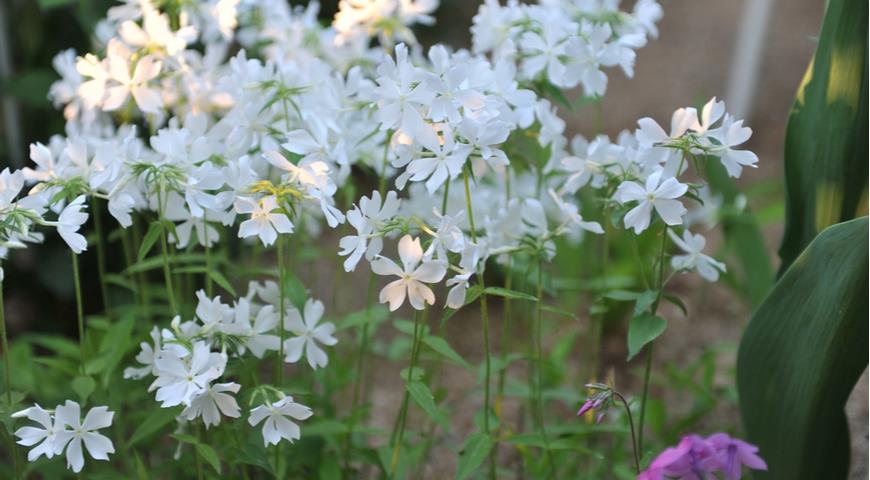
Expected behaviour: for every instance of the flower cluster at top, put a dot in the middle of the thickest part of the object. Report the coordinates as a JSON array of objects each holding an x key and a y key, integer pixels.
[
  {"x": 698, "y": 457},
  {"x": 228, "y": 117}
]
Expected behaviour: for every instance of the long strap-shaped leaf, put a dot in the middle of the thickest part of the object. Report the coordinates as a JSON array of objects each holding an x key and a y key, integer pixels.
[
  {"x": 801, "y": 355},
  {"x": 826, "y": 137}
]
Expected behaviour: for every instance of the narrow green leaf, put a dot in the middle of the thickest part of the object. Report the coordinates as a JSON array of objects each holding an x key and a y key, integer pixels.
[
  {"x": 151, "y": 424},
  {"x": 424, "y": 398},
  {"x": 474, "y": 451},
  {"x": 643, "y": 329},
  {"x": 150, "y": 238},
  {"x": 440, "y": 346},
  {"x": 644, "y": 301},
  {"x": 801, "y": 355},
  {"x": 513, "y": 294},
  {"x": 210, "y": 456},
  {"x": 222, "y": 281},
  {"x": 141, "y": 469}
]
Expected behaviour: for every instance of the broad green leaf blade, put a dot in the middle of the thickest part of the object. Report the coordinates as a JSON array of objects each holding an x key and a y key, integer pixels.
[
  {"x": 801, "y": 355},
  {"x": 643, "y": 329},
  {"x": 477, "y": 446},
  {"x": 424, "y": 398},
  {"x": 826, "y": 137},
  {"x": 148, "y": 241},
  {"x": 209, "y": 455}
]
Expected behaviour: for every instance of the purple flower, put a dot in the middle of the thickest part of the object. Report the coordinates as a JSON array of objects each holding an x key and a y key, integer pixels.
[
  {"x": 698, "y": 458},
  {"x": 734, "y": 454},
  {"x": 590, "y": 404}
]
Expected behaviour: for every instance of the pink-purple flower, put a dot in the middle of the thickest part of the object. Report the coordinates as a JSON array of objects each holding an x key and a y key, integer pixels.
[{"x": 698, "y": 458}]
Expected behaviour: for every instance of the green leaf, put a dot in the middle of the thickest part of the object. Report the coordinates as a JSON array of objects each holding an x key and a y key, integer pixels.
[
  {"x": 222, "y": 281},
  {"x": 141, "y": 469},
  {"x": 643, "y": 329},
  {"x": 443, "y": 348},
  {"x": 474, "y": 451},
  {"x": 84, "y": 387},
  {"x": 152, "y": 424},
  {"x": 801, "y": 355},
  {"x": 826, "y": 136},
  {"x": 150, "y": 238},
  {"x": 644, "y": 301},
  {"x": 210, "y": 456},
  {"x": 503, "y": 292},
  {"x": 424, "y": 398}
]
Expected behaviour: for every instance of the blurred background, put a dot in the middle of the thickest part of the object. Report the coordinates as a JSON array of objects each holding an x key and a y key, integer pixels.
[{"x": 692, "y": 60}]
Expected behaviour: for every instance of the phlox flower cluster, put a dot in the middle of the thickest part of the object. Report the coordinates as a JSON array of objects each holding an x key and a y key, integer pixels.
[{"x": 699, "y": 457}]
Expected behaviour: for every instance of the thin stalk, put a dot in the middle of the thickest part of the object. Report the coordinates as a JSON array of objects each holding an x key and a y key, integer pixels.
[
  {"x": 634, "y": 447},
  {"x": 484, "y": 315},
  {"x": 79, "y": 312},
  {"x": 279, "y": 362},
  {"x": 539, "y": 361},
  {"x": 7, "y": 377},
  {"x": 649, "y": 347},
  {"x": 167, "y": 272},
  {"x": 209, "y": 287},
  {"x": 358, "y": 379},
  {"x": 403, "y": 411},
  {"x": 101, "y": 256}
]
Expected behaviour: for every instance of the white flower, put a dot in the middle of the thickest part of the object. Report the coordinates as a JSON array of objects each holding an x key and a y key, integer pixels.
[
  {"x": 68, "y": 223},
  {"x": 693, "y": 245},
  {"x": 543, "y": 53},
  {"x": 45, "y": 436},
  {"x": 413, "y": 275},
  {"x": 277, "y": 425},
  {"x": 98, "y": 446},
  {"x": 571, "y": 215},
  {"x": 456, "y": 295},
  {"x": 368, "y": 219},
  {"x": 181, "y": 375},
  {"x": 655, "y": 193},
  {"x": 211, "y": 312},
  {"x": 308, "y": 335},
  {"x": 211, "y": 402},
  {"x": 261, "y": 337},
  {"x": 446, "y": 161},
  {"x": 147, "y": 68},
  {"x": 146, "y": 357},
  {"x": 263, "y": 223},
  {"x": 731, "y": 134}
]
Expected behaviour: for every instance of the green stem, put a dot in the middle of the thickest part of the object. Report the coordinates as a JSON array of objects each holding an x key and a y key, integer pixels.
[
  {"x": 164, "y": 252},
  {"x": 649, "y": 347},
  {"x": 403, "y": 412},
  {"x": 279, "y": 363},
  {"x": 7, "y": 377},
  {"x": 101, "y": 255},
  {"x": 634, "y": 447},
  {"x": 209, "y": 287},
  {"x": 358, "y": 379},
  {"x": 539, "y": 361},
  {"x": 484, "y": 315},
  {"x": 79, "y": 311}
]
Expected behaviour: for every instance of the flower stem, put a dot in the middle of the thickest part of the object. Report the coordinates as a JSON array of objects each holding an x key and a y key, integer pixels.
[
  {"x": 631, "y": 426},
  {"x": 164, "y": 252},
  {"x": 484, "y": 315},
  {"x": 209, "y": 286},
  {"x": 279, "y": 362},
  {"x": 101, "y": 255},
  {"x": 539, "y": 361},
  {"x": 7, "y": 377},
  {"x": 403, "y": 411},
  {"x": 649, "y": 347},
  {"x": 79, "y": 311}
]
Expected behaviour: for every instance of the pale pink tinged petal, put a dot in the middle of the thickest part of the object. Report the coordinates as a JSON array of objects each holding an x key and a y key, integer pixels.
[
  {"x": 410, "y": 252},
  {"x": 146, "y": 69},
  {"x": 385, "y": 266},
  {"x": 649, "y": 132},
  {"x": 671, "y": 188},
  {"x": 99, "y": 446},
  {"x": 133, "y": 34},
  {"x": 115, "y": 98},
  {"x": 394, "y": 293},
  {"x": 147, "y": 99},
  {"x": 638, "y": 217},
  {"x": 419, "y": 294},
  {"x": 301, "y": 142},
  {"x": 118, "y": 69},
  {"x": 671, "y": 211},
  {"x": 430, "y": 272}
]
